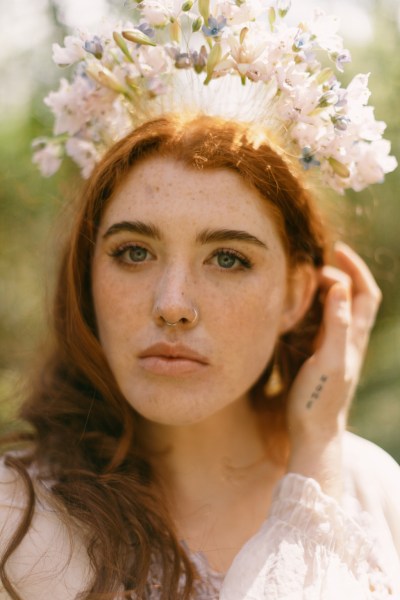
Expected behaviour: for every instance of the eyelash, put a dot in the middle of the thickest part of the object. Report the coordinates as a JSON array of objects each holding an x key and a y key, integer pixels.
[{"x": 119, "y": 252}]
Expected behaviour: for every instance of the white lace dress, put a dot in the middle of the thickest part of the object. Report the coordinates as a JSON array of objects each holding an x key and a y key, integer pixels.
[{"x": 309, "y": 547}]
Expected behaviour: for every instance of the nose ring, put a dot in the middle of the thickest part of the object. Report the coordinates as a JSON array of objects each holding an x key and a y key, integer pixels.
[{"x": 175, "y": 323}]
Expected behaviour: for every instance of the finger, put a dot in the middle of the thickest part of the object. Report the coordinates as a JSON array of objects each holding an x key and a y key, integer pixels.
[
  {"x": 354, "y": 266},
  {"x": 329, "y": 275},
  {"x": 337, "y": 319},
  {"x": 366, "y": 294}
]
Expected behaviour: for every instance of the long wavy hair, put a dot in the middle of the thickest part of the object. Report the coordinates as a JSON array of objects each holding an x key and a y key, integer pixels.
[{"x": 83, "y": 440}]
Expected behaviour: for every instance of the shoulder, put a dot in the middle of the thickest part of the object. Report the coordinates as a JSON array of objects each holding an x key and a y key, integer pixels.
[
  {"x": 368, "y": 463},
  {"x": 51, "y": 556},
  {"x": 373, "y": 477}
]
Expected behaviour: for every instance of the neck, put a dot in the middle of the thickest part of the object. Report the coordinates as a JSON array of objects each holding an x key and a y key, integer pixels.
[{"x": 203, "y": 461}]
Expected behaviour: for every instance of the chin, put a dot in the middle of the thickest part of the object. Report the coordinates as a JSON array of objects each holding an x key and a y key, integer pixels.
[{"x": 182, "y": 411}]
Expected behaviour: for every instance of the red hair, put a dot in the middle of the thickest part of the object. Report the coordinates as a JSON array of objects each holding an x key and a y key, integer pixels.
[{"x": 84, "y": 436}]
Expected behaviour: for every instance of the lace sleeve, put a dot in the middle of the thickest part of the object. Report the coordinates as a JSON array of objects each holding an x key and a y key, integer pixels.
[{"x": 307, "y": 549}]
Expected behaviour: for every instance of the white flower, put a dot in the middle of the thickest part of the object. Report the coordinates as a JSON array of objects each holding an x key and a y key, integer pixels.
[
  {"x": 68, "y": 105},
  {"x": 245, "y": 56},
  {"x": 238, "y": 13},
  {"x": 84, "y": 153},
  {"x": 72, "y": 52},
  {"x": 159, "y": 12},
  {"x": 325, "y": 28},
  {"x": 357, "y": 93},
  {"x": 116, "y": 84},
  {"x": 374, "y": 161},
  {"x": 152, "y": 61},
  {"x": 48, "y": 157}
]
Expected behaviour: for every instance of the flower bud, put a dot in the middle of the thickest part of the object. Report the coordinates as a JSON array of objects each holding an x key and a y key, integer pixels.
[
  {"x": 338, "y": 167},
  {"x": 105, "y": 77},
  {"x": 328, "y": 99},
  {"x": 243, "y": 34},
  {"x": 137, "y": 36},
  {"x": 119, "y": 40},
  {"x": 187, "y": 5},
  {"x": 213, "y": 59},
  {"x": 204, "y": 9},
  {"x": 197, "y": 24},
  {"x": 175, "y": 31},
  {"x": 324, "y": 75},
  {"x": 284, "y": 7},
  {"x": 272, "y": 17}
]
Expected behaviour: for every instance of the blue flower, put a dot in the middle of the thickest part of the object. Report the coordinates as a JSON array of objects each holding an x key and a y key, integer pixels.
[
  {"x": 146, "y": 29},
  {"x": 341, "y": 59},
  {"x": 94, "y": 47},
  {"x": 215, "y": 26},
  {"x": 308, "y": 159},
  {"x": 301, "y": 40}
]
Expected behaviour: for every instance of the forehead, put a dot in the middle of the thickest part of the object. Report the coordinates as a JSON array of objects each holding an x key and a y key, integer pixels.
[{"x": 166, "y": 191}]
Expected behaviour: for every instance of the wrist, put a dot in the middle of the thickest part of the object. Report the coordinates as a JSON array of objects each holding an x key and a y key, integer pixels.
[{"x": 321, "y": 459}]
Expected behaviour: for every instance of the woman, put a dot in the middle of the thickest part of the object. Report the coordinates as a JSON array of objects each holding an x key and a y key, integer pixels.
[
  {"x": 152, "y": 426},
  {"x": 189, "y": 423}
]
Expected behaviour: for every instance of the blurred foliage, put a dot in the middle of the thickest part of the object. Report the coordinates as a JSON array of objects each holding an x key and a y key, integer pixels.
[{"x": 29, "y": 233}]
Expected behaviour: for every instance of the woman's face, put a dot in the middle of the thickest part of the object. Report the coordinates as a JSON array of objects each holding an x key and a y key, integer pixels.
[{"x": 200, "y": 249}]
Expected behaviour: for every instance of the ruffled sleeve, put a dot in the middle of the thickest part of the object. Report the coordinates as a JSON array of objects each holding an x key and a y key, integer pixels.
[{"x": 307, "y": 549}]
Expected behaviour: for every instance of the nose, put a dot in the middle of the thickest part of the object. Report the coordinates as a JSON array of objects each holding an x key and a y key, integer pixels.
[{"x": 174, "y": 304}]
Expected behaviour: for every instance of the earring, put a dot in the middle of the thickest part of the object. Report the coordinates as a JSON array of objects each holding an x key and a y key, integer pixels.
[{"x": 274, "y": 384}]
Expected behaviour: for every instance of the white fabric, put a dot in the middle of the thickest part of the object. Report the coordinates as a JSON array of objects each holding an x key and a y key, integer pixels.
[{"x": 309, "y": 548}]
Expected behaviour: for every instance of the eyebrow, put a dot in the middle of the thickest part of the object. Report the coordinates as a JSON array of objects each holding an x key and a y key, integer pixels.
[{"x": 207, "y": 236}]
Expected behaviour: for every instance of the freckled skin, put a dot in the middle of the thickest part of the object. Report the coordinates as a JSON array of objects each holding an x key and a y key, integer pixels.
[{"x": 241, "y": 311}]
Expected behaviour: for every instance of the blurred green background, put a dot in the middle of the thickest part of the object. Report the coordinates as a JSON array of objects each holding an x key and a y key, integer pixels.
[{"x": 30, "y": 206}]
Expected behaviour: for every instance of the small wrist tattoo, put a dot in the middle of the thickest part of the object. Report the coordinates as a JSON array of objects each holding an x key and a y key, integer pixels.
[{"x": 317, "y": 391}]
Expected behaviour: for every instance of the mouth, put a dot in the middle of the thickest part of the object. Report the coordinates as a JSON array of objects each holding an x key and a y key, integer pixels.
[{"x": 166, "y": 359}]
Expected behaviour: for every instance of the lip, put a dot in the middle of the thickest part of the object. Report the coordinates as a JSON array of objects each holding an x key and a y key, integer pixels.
[{"x": 171, "y": 359}]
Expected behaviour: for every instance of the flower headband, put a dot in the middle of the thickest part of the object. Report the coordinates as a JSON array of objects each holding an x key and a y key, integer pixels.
[{"x": 175, "y": 52}]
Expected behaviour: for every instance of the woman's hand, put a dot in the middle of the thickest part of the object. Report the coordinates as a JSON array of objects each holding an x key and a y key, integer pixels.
[{"x": 321, "y": 394}]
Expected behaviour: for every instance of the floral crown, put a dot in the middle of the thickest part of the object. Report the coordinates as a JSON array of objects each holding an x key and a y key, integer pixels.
[{"x": 174, "y": 53}]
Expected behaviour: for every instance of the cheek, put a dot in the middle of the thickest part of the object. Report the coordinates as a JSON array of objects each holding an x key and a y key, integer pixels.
[
  {"x": 118, "y": 308},
  {"x": 249, "y": 326}
]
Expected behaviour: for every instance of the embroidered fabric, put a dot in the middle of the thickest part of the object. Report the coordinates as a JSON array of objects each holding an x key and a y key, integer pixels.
[
  {"x": 207, "y": 587},
  {"x": 309, "y": 547}
]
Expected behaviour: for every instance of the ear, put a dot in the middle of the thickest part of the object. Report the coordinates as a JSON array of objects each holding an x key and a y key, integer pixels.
[{"x": 302, "y": 283}]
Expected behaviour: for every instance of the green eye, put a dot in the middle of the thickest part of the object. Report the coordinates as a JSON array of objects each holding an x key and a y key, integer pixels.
[
  {"x": 230, "y": 260},
  {"x": 130, "y": 254},
  {"x": 226, "y": 260},
  {"x": 136, "y": 253}
]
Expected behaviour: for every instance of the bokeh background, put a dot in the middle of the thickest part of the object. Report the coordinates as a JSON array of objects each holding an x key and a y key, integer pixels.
[{"x": 30, "y": 206}]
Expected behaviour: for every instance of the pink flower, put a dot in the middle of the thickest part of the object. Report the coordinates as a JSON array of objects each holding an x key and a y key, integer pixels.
[
  {"x": 48, "y": 157},
  {"x": 72, "y": 52}
]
